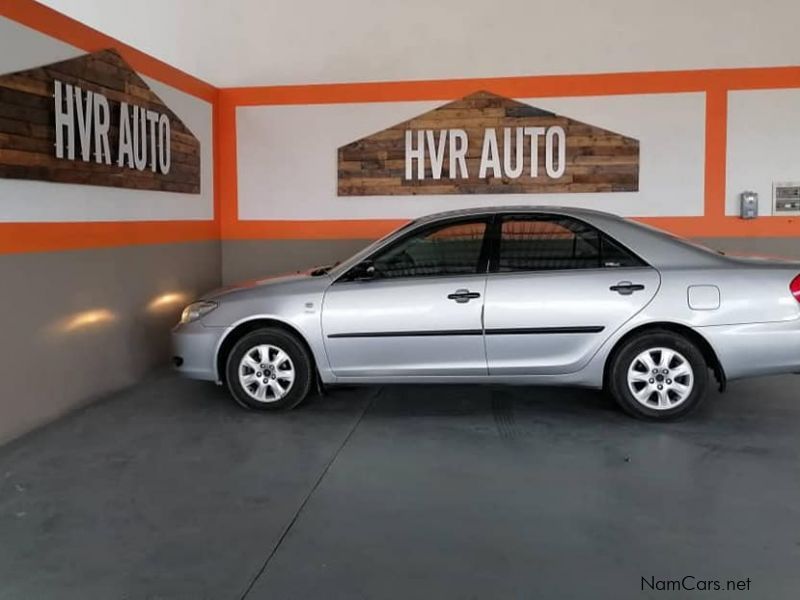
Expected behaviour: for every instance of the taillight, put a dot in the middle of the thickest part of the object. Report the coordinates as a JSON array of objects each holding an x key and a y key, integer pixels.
[{"x": 794, "y": 287}]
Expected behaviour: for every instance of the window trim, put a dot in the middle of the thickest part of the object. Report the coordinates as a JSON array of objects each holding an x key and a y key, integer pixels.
[
  {"x": 496, "y": 238},
  {"x": 483, "y": 255}
]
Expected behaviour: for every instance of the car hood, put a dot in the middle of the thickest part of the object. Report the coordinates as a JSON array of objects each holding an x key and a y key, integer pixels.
[{"x": 265, "y": 283}]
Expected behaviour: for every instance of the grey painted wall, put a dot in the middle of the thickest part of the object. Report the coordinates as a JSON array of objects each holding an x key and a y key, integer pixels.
[
  {"x": 251, "y": 259},
  {"x": 80, "y": 324},
  {"x": 77, "y": 325}
]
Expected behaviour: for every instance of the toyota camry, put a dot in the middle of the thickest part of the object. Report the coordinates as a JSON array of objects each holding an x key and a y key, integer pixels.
[{"x": 513, "y": 295}]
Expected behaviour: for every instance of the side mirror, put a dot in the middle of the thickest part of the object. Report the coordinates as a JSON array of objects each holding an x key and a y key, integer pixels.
[{"x": 363, "y": 271}]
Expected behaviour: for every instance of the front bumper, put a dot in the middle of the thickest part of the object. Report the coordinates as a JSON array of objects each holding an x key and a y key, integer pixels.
[{"x": 194, "y": 350}]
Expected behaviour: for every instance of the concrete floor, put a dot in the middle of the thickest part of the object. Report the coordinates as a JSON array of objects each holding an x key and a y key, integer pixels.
[{"x": 170, "y": 491}]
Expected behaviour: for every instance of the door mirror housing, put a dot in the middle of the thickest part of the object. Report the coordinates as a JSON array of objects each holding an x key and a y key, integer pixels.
[{"x": 363, "y": 271}]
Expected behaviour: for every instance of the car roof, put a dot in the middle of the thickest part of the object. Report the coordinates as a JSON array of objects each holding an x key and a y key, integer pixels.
[{"x": 521, "y": 208}]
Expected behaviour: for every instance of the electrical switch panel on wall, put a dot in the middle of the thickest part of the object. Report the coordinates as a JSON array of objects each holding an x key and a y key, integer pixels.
[
  {"x": 786, "y": 198},
  {"x": 749, "y": 208}
]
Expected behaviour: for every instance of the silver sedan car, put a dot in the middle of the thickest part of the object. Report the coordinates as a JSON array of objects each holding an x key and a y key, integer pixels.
[{"x": 516, "y": 295}]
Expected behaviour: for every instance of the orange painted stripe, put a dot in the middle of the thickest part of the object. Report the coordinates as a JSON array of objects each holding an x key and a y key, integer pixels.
[
  {"x": 600, "y": 84},
  {"x": 59, "y": 26},
  {"x": 716, "y": 151},
  {"x": 714, "y": 82},
  {"x": 49, "y": 237},
  {"x": 737, "y": 227}
]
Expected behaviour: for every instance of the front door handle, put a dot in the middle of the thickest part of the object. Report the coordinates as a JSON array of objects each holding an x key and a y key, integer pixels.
[
  {"x": 626, "y": 288},
  {"x": 462, "y": 296}
]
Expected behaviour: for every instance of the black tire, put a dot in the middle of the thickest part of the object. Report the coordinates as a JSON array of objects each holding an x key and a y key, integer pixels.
[
  {"x": 627, "y": 354},
  {"x": 299, "y": 360}
]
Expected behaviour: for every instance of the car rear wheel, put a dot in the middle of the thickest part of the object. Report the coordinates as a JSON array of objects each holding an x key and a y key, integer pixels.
[
  {"x": 269, "y": 369},
  {"x": 658, "y": 375}
]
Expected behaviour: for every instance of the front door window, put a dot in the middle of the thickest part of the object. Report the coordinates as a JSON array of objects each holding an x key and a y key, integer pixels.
[{"x": 453, "y": 249}]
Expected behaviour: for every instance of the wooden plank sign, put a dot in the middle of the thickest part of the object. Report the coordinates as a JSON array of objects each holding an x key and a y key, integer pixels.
[
  {"x": 488, "y": 144},
  {"x": 92, "y": 120}
]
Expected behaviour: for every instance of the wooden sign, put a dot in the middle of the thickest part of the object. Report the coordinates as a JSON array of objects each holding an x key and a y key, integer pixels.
[
  {"x": 487, "y": 144},
  {"x": 92, "y": 120}
]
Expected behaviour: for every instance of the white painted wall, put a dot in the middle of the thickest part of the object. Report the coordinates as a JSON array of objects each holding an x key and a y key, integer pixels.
[
  {"x": 263, "y": 42},
  {"x": 763, "y": 144},
  {"x": 36, "y": 201},
  {"x": 287, "y": 158}
]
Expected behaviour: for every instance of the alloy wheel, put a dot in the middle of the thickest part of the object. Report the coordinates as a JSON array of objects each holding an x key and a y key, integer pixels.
[
  {"x": 660, "y": 378},
  {"x": 266, "y": 373}
]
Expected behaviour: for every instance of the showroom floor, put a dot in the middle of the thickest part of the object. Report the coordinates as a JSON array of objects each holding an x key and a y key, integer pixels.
[{"x": 168, "y": 490}]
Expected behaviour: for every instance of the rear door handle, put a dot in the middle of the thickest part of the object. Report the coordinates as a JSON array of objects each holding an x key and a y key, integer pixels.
[
  {"x": 462, "y": 296},
  {"x": 626, "y": 288}
]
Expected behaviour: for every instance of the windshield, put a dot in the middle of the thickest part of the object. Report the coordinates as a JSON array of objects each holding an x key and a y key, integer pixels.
[{"x": 342, "y": 266}]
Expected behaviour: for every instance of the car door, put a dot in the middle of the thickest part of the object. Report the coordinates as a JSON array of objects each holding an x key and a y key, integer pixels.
[
  {"x": 413, "y": 308},
  {"x": 557, "y": 289}
]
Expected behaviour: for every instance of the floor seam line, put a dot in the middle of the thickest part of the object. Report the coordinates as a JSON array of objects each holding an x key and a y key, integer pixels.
[{"x": 297, "y": 513}]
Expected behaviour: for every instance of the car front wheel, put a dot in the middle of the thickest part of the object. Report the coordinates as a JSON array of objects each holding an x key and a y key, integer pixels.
[
  {"x": 658, "y": 375},
  {"x": 269, "y": 369}
]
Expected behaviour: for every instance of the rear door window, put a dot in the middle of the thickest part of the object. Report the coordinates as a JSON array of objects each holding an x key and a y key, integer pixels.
[{"x": 542, "y": 243}]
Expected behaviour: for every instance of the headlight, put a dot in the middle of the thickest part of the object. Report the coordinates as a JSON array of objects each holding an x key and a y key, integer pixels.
[{"x": 196, "y": 310}]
